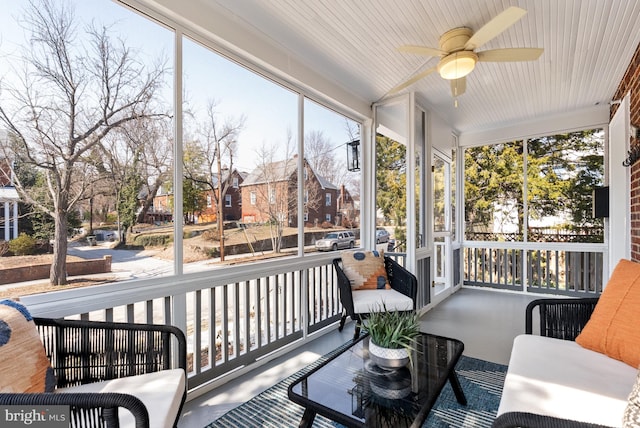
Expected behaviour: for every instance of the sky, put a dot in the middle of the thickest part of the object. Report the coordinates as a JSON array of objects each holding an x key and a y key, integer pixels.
[{"x": 270, "y": 110}]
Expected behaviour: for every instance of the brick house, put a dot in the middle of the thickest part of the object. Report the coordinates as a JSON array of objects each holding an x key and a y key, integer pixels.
[
  {"x": 162, "y": 209},
  {"x": 232, "y": 203},
  {"x": 348, "y": 208},
  {"x": 269, "y": 192}
]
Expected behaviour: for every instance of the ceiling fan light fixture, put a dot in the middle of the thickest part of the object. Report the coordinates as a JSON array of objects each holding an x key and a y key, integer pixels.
[{"x": 457, "y": 64}]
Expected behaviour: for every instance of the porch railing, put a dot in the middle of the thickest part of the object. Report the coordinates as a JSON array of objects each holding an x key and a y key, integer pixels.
[
  {"x": 556, "y": 268},
  {"x": 237, "y": 317},
  {"x": 232, "y": 317}
]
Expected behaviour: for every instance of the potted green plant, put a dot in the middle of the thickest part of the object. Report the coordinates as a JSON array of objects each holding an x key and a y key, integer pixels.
[{"x": 392, "y": 337}]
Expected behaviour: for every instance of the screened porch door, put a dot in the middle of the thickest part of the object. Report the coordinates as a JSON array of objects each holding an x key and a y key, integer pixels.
[
  {"x": 441, "y": 285},
  {"x": 401, "y": 155}
]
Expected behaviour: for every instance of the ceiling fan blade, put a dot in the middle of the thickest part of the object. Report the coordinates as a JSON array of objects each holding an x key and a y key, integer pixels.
[
  {"x": 458, "y": 86},
  {"x": 494, "y": 27},
  {"x": 411, "y": 81},
  {"x": 510, "y": 54},
  {"x": 422, "y": 50}
]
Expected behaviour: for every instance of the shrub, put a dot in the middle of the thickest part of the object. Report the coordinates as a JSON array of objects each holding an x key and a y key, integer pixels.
[
  {"x": 346, "y": 223},
  {"x": 23, "y": 245},
  {"x": 4, "y": 248},
  {"x": 326, "y": 225},
  {"x": 43, "y": 246},
  {"x": 212, "y": 252},
  {"x": 152, "y": 240},
  {"x": 191, "y": 234},
  {"x": 111, "y": 218},
  {"x": 211, "y": 235}
]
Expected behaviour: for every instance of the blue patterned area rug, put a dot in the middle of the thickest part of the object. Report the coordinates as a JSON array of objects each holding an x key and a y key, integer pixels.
[{"x": 481, "y": 382}]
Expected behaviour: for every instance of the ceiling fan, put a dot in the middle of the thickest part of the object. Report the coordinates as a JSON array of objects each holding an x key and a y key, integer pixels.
[{"x": 458, "y": 55}]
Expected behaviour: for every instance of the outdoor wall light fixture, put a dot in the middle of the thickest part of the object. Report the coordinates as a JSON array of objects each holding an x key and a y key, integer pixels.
[
  {"x": 634, "y": 154},
  {"x": 353, "y": 155}
]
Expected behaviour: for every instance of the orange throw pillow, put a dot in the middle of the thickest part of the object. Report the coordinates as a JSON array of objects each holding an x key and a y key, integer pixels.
[
  {"x": 365, "y": 270},
  {"x": 613, "y": 328}
]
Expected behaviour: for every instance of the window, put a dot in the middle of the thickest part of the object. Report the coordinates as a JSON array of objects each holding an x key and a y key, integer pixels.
[
  {"x": 306, "y": 216},
  {"x": 228, "y": 106},
  {"x": 391, "y": 193},
  {"x": 562, "y": 171},
  {"x": 237, "y": 92},
  {"x": 327, "y": 217},
  {"x": 325, "y": 151},
  {"x": 494, "y": 192},
  {"x": 327, "y": 199},
  {"x": 137, "y": 80}
]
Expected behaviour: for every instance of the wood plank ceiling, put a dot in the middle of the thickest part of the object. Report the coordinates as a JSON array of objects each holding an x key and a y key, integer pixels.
[{"x": 587, "y": 47}]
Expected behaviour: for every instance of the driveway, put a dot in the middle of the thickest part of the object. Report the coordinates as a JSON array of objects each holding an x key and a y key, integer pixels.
[
  {"x": 133, "y": 264},
  {"x": 126, "y": 264}
]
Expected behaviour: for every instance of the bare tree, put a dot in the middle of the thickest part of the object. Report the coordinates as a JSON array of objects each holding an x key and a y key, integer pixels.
[
  {"x": 328, "y": 160},
  {"x": 74, "y": 91},
  {"x": 272, "y": 189},
  {"x": 209, "y": 159},
  {"x": 274, "y": 182},
  {"x": 152, "y": 140},
  {"x": 119, "y": 161},
  {"x": 320, "y": 154}
]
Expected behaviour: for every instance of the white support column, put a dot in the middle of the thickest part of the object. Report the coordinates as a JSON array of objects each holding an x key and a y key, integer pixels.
[
  {"x": 368, "y": 197},
  {"x": 178, "y": 301},
  {"x": 15, "y": 219},
  {"x": 6, "y": 221},
  {"x": 619, "y": 184}
]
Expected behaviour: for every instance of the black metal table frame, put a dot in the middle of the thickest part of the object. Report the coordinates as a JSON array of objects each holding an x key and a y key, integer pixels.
[{"x": 312, "y": 408}]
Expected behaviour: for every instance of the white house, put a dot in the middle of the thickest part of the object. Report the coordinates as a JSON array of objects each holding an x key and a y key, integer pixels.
[{"x": 8, "y": 203}]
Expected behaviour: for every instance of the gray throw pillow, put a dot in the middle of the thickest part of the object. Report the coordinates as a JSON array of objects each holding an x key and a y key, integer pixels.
[{"x": 631, "y": 417}]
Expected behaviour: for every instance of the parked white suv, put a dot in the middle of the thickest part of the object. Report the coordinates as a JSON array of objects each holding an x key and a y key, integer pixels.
[{"x": 333, "y": 241}]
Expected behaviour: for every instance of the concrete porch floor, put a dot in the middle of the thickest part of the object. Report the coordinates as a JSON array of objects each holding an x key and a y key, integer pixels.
[{"x": 485, "y": 321}]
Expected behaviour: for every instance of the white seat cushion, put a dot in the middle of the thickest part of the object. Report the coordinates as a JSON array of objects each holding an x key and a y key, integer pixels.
[
  {"x": 161, "y": 392},
  {"x": 559, "y": 378},
  {"x": 366, "y": 301}
]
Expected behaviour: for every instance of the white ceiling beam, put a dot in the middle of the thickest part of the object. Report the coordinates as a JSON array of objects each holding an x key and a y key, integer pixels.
[{"x": 592, "y": 117}]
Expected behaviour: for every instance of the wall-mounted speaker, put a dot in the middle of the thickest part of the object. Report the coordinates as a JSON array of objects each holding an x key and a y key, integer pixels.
[{"x": 601, "y": 202}]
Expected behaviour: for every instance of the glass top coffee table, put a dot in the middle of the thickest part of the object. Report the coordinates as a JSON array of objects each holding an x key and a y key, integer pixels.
[{"x": 353, "y": 391}]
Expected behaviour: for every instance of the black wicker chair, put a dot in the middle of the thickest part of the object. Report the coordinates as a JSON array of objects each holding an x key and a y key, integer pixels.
[
  {"x": 84, "y": 352},
  {"x": 560, "y": 319},
  {"x": 400, "y": 279}
]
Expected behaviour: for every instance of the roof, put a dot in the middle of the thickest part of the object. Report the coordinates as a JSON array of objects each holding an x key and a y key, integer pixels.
[
  {"x": 271, "y": 172},
  {"x": 279, "y": 171},
  {"x": 326, "y": 184}
]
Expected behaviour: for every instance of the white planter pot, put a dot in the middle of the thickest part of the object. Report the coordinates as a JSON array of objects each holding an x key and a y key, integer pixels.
[{"x": 388, "y": 358}]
